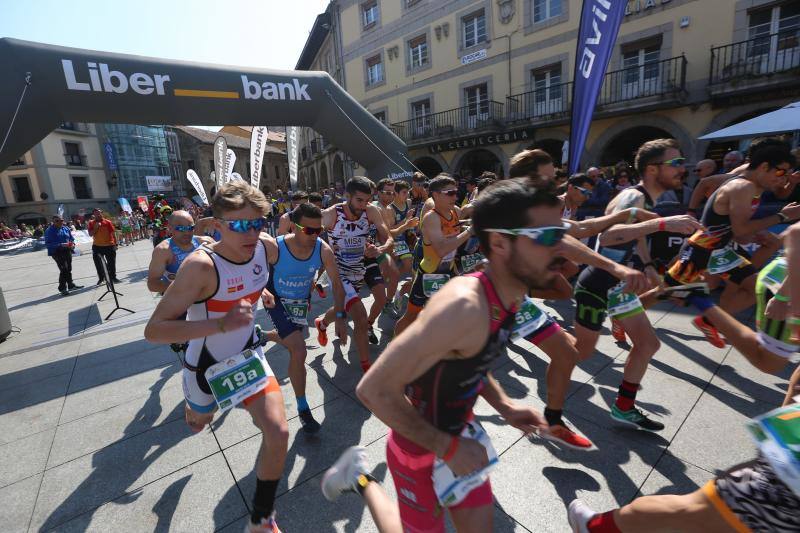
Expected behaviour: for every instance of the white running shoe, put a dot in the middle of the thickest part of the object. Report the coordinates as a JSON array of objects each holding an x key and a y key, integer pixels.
[
  {"x": 579, "y": 514},
  {"x": 343, "y": 475}
]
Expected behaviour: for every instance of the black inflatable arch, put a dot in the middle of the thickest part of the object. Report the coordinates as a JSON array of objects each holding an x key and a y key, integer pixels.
[{"x": 74, "y": 85}]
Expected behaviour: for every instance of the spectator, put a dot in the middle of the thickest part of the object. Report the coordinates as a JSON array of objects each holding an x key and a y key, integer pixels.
[
  {"x": 104, "y": 244},
  {"x": 38, "y": 232},
  {"x": 601, "y": 193},
  {"x": 60, "y": 244},
  {"x": 731, "y": 160},
  {"x": 126, "y": 227}
]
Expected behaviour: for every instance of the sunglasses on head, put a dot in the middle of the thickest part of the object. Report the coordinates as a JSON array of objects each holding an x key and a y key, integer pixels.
[
  {"x": 674, "y": 162},
  {"x": 544, "y": 236},
  {"x": 244, "y": 225},
  {"x": 448, "y": 192},
  {"x": 184, "y": 228},
  {"x": 309, "y": 231}
]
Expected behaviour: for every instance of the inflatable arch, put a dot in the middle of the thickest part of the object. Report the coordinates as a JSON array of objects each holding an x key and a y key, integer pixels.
[{"x": 44, "y": 85}]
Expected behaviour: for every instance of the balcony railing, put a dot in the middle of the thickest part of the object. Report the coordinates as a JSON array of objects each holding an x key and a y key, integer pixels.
[
  {"x": 75, "y": 160},
  {"x": 753, "y": 58},
  {"x": 654, "y": 79},
  {"x": 452, "y": 122}
]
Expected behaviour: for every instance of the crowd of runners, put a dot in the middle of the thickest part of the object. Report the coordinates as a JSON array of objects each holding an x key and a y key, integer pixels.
[{"x": 462, "y": 280}]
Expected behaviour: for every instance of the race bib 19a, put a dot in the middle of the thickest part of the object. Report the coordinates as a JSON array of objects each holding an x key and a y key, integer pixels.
[{"x": 236, "y": 379}]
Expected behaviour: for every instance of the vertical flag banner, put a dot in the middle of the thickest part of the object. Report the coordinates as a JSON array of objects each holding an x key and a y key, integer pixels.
[
  {"x": 142, "y": 201},
  {"x": 61, "y": 210},
  {"x": 220, "y": 151},
  {"x": 230, "y": 160},
  {"x": 600, "y": 20},
  {"x": 194, "y": 179},
  {"x": 291, "y": 153},
  {"x": 258, "y": 145},
  {"x": 236, "y": 176},
  {"x": 125, "y": 205}
]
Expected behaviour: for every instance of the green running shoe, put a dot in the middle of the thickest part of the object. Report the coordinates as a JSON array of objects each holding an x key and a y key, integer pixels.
[{"x": 634, "y": 417}]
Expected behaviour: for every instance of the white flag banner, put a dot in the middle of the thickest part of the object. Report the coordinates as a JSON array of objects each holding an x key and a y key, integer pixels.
[
  {"x": 291, "y": 153},
  {"x": 258, "y": 145},
  {"x": 236, "y": 176},
  {"x": 194, "y": 179},
  {"x": 61, "y": 210},
  {"x": 220, "y": 149},
  {"x": 230, "y": 160}
]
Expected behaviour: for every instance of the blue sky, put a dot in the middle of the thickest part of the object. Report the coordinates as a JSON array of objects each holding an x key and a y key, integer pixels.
[{"x": 252, "y": 33}]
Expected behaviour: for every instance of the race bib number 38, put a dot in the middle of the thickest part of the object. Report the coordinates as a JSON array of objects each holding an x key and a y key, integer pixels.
[{"x": 236, "y": 378}]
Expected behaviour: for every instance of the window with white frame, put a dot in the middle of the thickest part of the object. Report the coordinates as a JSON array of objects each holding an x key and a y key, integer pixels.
[
  {"x": 548, "y": 92},
  {"x": 477, "y": 98},
  {"x": 546, "y": 9},
  {"x": 641, "y": 72},
  {"x": 421, "y": 115},
  {"x": 380, "y": 115},
  {"x": 474, "y": 29},
  {"x": 418, "y": 51},
  {"x": 774, "y": 34},
  {"x": 374, "y": 70},
  {"x": 369, "y": 13}
]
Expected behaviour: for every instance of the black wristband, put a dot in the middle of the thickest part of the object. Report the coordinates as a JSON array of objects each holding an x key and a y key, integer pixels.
[{"x": 362, "y": 482}]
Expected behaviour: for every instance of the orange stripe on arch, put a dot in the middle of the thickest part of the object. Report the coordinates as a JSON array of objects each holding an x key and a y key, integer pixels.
[
  {"x": 223, "y": 306},
  {"x": 197, "y": 93}
]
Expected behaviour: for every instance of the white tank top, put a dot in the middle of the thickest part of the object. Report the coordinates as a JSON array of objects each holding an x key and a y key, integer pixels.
[
  {"x": 348, "y": 240},
  {"x": 235, "y": 281}
]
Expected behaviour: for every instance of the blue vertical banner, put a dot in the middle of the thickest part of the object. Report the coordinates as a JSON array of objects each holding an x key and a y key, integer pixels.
[
  {"x": 600, "y": 21},
  {"x": 108, "y": 150}
]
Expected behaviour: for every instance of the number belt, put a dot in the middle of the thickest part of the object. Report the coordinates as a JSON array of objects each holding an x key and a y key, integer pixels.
[{"x": 251, "y": 343}]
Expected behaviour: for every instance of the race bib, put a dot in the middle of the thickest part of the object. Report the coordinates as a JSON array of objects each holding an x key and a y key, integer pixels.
[
  {"x": 401, "y": 248},
  {"x": 431, "y": 283},
  {"x": 774, "y": 275},
  {"x": 236, "y": 378},
  {"x": 469, "y": 262},
  {"x": 451, "y": 490},
  {"x": 621, "y": 302},
  {"x": 777, "y": 434},
  {"x": 528, "y": 319},
  {"x": 297, "y": 310},
  {"x": 723, "y": 260}
]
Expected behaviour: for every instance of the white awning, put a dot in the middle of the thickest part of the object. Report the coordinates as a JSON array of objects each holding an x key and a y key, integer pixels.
[{"x": 783, "y": 120}]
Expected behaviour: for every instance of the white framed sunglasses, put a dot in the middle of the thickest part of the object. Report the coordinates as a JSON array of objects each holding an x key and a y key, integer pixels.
[{"x": 543, "y": 236}]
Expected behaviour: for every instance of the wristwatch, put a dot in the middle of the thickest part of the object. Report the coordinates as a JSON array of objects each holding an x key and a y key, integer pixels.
[{"x": 341, "y": 314}]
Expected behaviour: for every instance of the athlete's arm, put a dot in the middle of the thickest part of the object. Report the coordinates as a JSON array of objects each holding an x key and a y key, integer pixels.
[
  {"x": 579, "y": 253},
  {"x": 521, "y": 416},
  {"x": 740, "y": 194},
  {"x": 375, "y": 215},
  {"x": 329, "y": 218},
  {"x": 442, "y": 244},
  {"x": 426, "y": 207},
  {"x": 424, "y": 343},
  {"x": 329, "y": 266},
  {"x": 622, "y": 233},
  {"x": 195, "y": 281},
  {"x": 155, "y": 272},
  {"x": 592, "y": 226},
  {"x": 284, "y": 224},
  {"x": 705, "y": 188}
]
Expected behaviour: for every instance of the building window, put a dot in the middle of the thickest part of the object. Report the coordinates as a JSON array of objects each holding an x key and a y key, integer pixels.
[
  {"x": 474, "y": 27},
  {"x": 477, "y": 98},
  {"x": 277, "y": 172},
  {"x": 211, "y": 165},
  {"x": 369, "y": 14},
  {"x": 374, "y": 70},
  {"x": 548, "y": 92},
  {"x": 80, "y": 185},
  {"x": 546, "y": 9},
  {"x": 775, "y": 36},
  {"x": 381, "y": 116},
  {"x": 72, "y": 154},
  {"x": 641, "y": 72},
  {"x": 418, "y": 51},
  {"x": 22, "y": 189},
  {"x": 421, "y": 115}
]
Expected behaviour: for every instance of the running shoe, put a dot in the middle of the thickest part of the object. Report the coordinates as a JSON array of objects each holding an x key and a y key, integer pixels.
[
  {"x": 617, "y": 331},
  {"x": 709, "y": 331},
  {"x": 684, "y": 292},
  {"x": 267, "y": 525},
  {"x": 578, "y": 515},
  {"x": 64, "y": 292},
  {"x": 373, "y": 339},
  {"x": 74, "y": 287},
  {"x": 561, "y": 434},
  {"x": 310, "y": 425},
  {"x": 634, "y": 417},
  {"x": 322, "y": 335},
  {"x": 343, "y": 475},
  {"x": 389, "y": 309}
]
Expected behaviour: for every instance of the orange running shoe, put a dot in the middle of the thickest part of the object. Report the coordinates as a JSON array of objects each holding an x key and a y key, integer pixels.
[
  {"x": 322, "y": 335},
  {"x": 561, "y": 434},
  {"x": 710, "y": 332},
  {"x": 617, "y": 331}
]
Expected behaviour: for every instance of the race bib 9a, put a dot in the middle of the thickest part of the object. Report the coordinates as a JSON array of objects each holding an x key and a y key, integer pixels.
[{"x": 723, "y": 260}]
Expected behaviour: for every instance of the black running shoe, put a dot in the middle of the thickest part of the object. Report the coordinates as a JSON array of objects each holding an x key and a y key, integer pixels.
[
  {"x": 310, "y": 425},
  {"x": 634, "y": 417},
  {"x": 373, "y": 339}
]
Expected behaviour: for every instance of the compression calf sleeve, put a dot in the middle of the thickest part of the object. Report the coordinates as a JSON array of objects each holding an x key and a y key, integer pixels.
[{"x": 264, "y": 499}]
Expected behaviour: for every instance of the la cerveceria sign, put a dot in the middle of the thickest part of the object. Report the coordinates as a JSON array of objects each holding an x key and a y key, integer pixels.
[{"x": 477, "y": 141}]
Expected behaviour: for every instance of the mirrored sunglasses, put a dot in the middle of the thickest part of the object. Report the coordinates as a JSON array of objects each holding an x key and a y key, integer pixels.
[
  {"x": 544, "y": 236},
  {"x": 309, "y": 231},
  {"x": 184, "y": 228},
  {"x": 244, "y": 225},
  {"x": 674, "y": 162}
]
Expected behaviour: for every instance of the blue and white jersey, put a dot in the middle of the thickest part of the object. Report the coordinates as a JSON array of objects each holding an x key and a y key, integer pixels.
[
  {"x": 179, "y": 255},
  {"x": 291, "y": 277}
]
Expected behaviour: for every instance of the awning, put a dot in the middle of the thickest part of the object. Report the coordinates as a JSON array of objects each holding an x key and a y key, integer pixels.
[{"x": 783, "y": 120}]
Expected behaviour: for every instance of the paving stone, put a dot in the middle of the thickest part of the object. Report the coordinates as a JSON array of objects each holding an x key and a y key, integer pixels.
[
  {"x": 195, "y": 498},
  {"x": 740, "y": 377},
  {"x": 24, "y": 457},
  {"x": 673, "y": 476},
  {"x": 80, "y": 485},
  {"x": 26, "y": 409},
  {"x": 18, "y": 501}
]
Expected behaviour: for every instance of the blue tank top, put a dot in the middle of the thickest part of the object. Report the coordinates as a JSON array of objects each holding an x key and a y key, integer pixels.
[
  {"x": 291, "y": 277},
  {"x": 180, "y": 254}
]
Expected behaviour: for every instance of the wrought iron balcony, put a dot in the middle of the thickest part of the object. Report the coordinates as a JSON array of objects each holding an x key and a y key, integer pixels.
[
  {"x": 653, "y": 83},
  {"x": 755, "y": 62},
  {"x": 464, "y": 120}
]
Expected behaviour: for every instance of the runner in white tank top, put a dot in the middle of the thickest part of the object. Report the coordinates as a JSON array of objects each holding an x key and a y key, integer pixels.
[{"x": 218, "y": 288}]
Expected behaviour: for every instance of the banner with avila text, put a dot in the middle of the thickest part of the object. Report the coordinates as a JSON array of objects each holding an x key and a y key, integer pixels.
[{"x": 600, "y": 21}]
